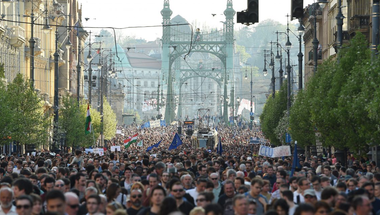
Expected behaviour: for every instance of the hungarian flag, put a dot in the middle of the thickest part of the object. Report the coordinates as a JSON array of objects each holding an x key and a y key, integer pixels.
[
  {"x": 130, "y": 140},
  {"x": 88, "y": 120}
]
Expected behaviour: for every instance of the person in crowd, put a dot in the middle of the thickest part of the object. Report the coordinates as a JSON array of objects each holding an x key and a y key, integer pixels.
[
  {"x": 310, "y": 196},
  {"x": 362, "y": 205},
  {"x": 229, "y": 193},
  {"x": 93, "y": 203},
  {"x": 201, "y": 186},
  {"x": 113, "y": 207},
  {"x": 370, "y": 187},
  {"x": 168, "y": 206},
  {"x": 24, "y": 205},
  {"x": 281, "y": 207},
  {"x": 136, "y": 202},
  {"x": 156, "y": 199},
  {"x": 322, "y": 208},
  {"x": 213, "y": 209},
  {"x": 178, "y": 193},
  {"x": 329, "y": 195},
  {"x": 240, "y": 204},
  {"x": 72, "y": 203},
  {"x": 6, "y": 198},
  {"x": 316, "y": 183},
  {"x": 204, "y": 198},
  {"x": 218, "y": 187},
  {"x": 187, "y": 181},
  {"x": 55, "y": 202},
  {"x": 287, "y": 195},
  {"x": 303, "y": 184},
  {"x": 37, "y": 204},
  {"x": 304, "y": 209},
  {"x": 254, "y": 193},
  {"x": 197, "y": 211}
]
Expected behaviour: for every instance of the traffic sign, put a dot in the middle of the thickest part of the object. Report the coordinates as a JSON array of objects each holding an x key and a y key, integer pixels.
[
  {"x": 190, "y": 127},
  {"x": 251, "y": 114}
]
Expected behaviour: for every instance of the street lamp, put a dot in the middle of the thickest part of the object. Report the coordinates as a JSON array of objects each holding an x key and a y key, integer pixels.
[
  {"x": 321, "y": 4},
  {"x": 265, "y": 71},
  {"x": 89, "y": 60},
  {"x": 271, "y": 66},
  {"x": 251, "y": 113},
  {"x": 279, "y": 59},
  {"x": 288, "y": 46},
  {"x": 56, "y": 80},
  {"x": 301, "y": 31}
]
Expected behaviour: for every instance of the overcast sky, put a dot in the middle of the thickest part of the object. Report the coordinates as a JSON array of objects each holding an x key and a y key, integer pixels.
[{"x": 130, "y": 13}]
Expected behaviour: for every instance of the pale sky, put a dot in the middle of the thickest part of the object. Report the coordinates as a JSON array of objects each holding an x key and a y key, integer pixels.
[{"x": 131, "y": 13}]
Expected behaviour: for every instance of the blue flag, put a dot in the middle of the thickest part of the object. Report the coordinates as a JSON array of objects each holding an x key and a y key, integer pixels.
[
  {"x": 219, "y": 148},
  {"x": 176, "y": 142},
  {"x": 152, "y": 146},
  {"x": 295, "y": 159}
]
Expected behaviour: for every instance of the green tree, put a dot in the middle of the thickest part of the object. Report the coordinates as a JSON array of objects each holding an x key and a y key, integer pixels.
[
  {"x": 273, "y": 111},
  {"x": 6, "y": 113},
  {"x": 109, "y": 120},
  {"x": 29, "y": 124}
]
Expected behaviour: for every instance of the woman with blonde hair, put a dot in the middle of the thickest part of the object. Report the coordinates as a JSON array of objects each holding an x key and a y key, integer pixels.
[
  {"x": 197, "y": 211},
  {"x": 112, "y": 207}
]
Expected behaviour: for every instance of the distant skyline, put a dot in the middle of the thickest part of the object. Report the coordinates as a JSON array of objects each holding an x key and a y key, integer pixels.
[{"x": 131, "y": 13}]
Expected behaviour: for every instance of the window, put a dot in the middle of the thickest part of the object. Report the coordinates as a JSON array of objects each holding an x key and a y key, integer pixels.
[{"x": 152, "y": 84}]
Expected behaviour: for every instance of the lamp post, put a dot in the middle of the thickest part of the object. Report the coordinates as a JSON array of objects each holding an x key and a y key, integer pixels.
[
  {"x": 32, "y": 43},
  {"x": 271, "y": 66},
  {"x": 251, "y": 116},
  {"x": 321, "y": 4},
  {"x": 279, "y": 59},
  {"x": 375, "y": 26},
  {"x": 78, "y": 66},
  {"x": 301, "y": 30},
  {"x": 288, "y": 46},
  {"x": 89, "y": 60},
  {"x": 56, "y": 79}
]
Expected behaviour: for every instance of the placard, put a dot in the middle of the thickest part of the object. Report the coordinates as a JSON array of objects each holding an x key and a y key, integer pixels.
[
  {"x": 99, "y": 151},
  {"x": 113, "y": 148},
  {"x": 281, "y": 151}
]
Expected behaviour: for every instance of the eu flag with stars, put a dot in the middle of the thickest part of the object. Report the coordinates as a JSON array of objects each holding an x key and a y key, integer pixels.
[{"x": 176, "y": 142}]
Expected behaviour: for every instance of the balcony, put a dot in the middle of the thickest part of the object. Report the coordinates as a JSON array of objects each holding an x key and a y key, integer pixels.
[
  {"x": 359, "y": 23},
  {"x": 311, "y": 55},
  {"x": 2, "y": 29},
  {"x": 17, "y": 36}
]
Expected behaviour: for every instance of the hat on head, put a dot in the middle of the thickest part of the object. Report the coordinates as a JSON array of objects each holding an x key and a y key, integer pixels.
[{"x": 309, "y": 192}]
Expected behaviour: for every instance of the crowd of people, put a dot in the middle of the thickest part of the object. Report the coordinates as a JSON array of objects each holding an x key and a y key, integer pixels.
[{"x": 186, "y": 180}]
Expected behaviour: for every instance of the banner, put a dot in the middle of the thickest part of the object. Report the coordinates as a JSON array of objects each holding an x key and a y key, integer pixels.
[
  {"x": 117, "y": 148},
  {"x": 118, "y": 131},
  {"x": 244, "y": 104},
  {"x": 281, "y": 151},
  {"x": 99, "y": 151},
  {"x": 155, "y": 124},
  {"x": 88, "y": 150}
]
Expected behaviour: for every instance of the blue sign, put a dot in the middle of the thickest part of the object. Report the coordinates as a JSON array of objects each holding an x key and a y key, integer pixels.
[
  {"x": 254, "y": 140},
  {"x": 266, "y": 151},
  {"x": 190, "y": 127},
  {"x": 288, "y": 138},
  {"x": 251, "y": 114}
]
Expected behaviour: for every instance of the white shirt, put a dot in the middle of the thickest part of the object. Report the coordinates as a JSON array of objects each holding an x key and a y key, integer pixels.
[
  {"x": 295, "y": 194},
  {"x": 193, "y": 193},
  {"x": 12, "y": 211},
  {"x": 15, "y": 170}
]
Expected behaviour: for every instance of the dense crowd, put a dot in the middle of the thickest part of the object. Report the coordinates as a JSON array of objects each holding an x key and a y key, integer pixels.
[{"x": 186, "y": 180}]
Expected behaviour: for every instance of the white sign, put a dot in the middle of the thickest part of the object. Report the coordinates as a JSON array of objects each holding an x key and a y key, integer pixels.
[
  {"x": 118, "y": 131},
  {"x": 88, "y": 151},
  {"x": 113, "y": 148},
  {"x": 281, "y": 151},
  {"x": 155, "y": 124},
  {"x": 99, "y": 151}
]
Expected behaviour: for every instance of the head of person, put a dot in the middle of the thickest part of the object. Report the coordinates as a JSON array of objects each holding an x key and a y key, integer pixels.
[
  {"x": 72, "y": 203},
  {"x": 229, "y": 189},
  {"x": 279, "y": 182},
  {"x": 281, "y": 207},
  {"x": 80, "y": 180},
  {"x": 256, "y": 186},
  {"x": 214, "y": 177},
  {"x": 239, "y": 181},
  {"x": 157, "y": 195},
  {"x": 113, "y": 191},
  {"x": 231, "y": 174},
  {"x": 370, "y": 188},
  {"x": 287, "y": 195},
  {"x": 362, "y": 205},
  {"x": 6, "y": 197},
  {"x": 304, "y": 209},
  {"x": 92, "y": 204},
  {"x": 352, "y": 184},
  {"x": 240, "y": 204},
  {"x": 204, "y": 198},
  {"x": 325, "y": 182},
  {"x": 55, "y": 202},
  {"x": 112, "y": 207},
  {"x": 293, "y": 183},
  {"x": 329, "y": 195},
  {"x": 201, "y": 184},
  {"x": 341, "y": 186},
  {"x": 153, "y": 180},
  {"x": 341, "y": 199},
  {"x": 377, "y": 190},
  {"x": 60, "y": 185},
  {"x": 316, "y": 183},
  {"x": 303, "y": 184},
  {"x": 136, "y": 198},
  {"x": 197, "y": 211},
  {"x": 252, "y": 206},
  {"x": 213, "y": 209},
  {"x": 310, "y": 196},
  {"x": 49, "y": 183},
  {"x": 322, "y": 208},
  {"x": 24, "y": 205},
  {"x": 22, "y": 186},
  {"x": 177, "y": 190},
  {"x": 160, "y": 167},
  {"x": 37, "y": 204},
  {"x": 327, "y": 170}
]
